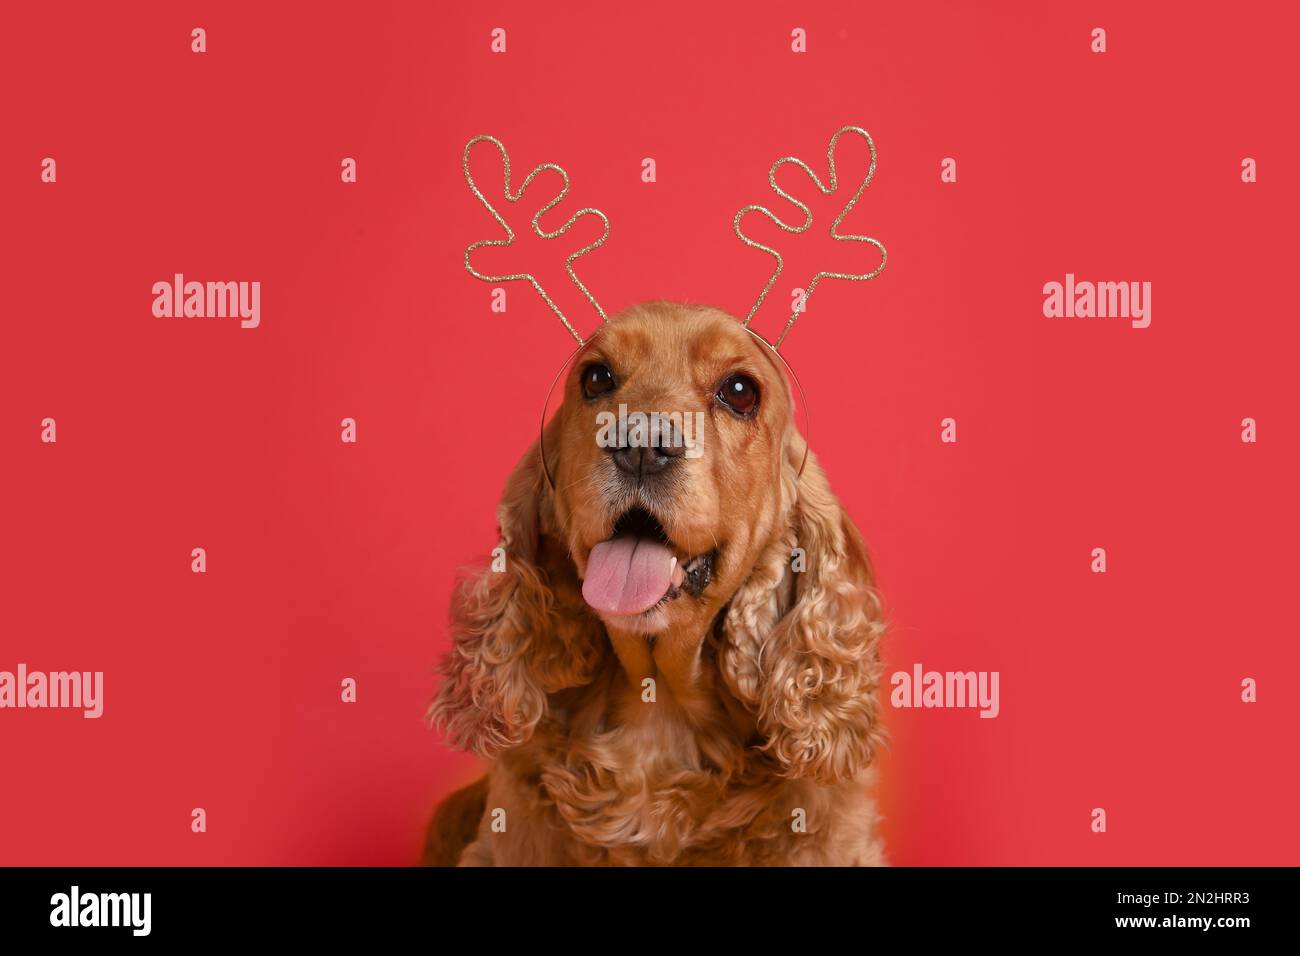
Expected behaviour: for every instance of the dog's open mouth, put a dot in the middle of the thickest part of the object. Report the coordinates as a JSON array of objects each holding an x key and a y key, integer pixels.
[{"x": 635, "y": 571}]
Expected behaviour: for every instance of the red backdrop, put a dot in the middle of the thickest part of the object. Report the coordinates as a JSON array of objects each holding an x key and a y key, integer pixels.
[{"x": 329, "y": 560}]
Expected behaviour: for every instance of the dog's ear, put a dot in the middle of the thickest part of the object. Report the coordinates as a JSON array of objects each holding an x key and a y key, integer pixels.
[
  {"x": 516, "y": 632},
  {"x": 801, "y": 636}
]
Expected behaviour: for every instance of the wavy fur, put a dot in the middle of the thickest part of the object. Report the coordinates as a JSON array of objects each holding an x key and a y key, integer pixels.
[{"x": 758, "y": 747}]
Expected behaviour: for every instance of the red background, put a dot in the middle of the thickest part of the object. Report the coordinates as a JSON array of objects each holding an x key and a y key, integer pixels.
[{"x": 328, "y": 560}]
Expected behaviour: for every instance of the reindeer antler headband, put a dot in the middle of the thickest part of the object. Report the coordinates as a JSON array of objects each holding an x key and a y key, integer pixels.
[
  {"x": 537, "y": 228},
  {"x": 827, "y": 188},
  {"x": 830, "y": 186}
]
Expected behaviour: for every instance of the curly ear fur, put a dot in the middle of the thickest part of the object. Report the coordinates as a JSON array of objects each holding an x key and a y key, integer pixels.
[
  {"x": 515, "y": 634},
  {"x": 801, "y": 647}
]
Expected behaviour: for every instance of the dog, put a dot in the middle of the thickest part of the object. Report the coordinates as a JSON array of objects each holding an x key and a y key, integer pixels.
[{"x": 678, "y": 662}]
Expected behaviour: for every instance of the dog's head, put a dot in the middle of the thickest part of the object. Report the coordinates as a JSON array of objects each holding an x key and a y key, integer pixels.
[
  {"x": 677, "y": 509},
  {"x": 667, "y": 457}
]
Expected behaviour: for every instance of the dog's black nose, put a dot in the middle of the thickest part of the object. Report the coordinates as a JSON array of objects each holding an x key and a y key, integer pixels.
[{"x": 639, "y": 462}]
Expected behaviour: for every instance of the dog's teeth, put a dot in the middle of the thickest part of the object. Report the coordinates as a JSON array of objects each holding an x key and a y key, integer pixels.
[{"x": 677, "y": 574}]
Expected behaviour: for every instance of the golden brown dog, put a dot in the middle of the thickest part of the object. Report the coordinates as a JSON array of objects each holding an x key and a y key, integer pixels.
[{"x": 678, "y": 663}]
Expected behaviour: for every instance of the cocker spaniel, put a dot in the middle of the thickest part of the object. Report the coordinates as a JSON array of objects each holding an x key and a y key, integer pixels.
[{"x": 677, "y": 664}]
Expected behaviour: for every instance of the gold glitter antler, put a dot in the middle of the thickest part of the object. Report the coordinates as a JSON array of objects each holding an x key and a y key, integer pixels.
[
  {"x": 826, "y": 190},
  {"x": 537, "y": 228}
]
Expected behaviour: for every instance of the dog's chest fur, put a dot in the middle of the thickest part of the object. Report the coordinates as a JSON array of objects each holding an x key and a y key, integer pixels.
[{"x": 646, "y": 783}]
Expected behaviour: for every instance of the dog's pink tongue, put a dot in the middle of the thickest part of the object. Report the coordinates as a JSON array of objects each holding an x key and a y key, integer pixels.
[{"x": 627, "y": 575}]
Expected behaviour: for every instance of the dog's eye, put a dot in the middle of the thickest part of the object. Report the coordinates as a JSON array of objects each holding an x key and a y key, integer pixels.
[
  {"x": 597, "y": 379},
  {"x": 739, "y": 393}
]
